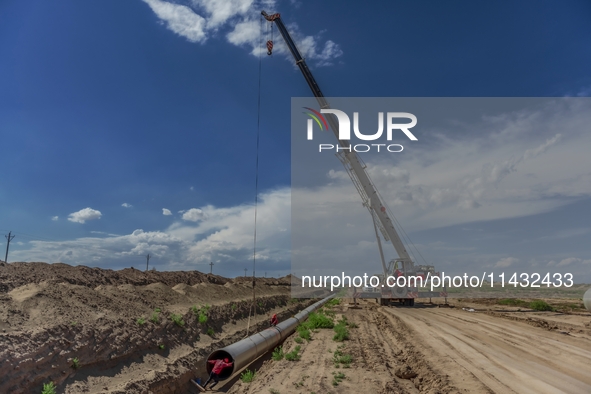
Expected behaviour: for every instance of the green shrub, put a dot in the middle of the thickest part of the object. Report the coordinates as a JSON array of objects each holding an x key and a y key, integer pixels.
[
  {"x": 278, "y": 354},
  {"x": 247, "y": 376},
  {"x": 318, "y": 320},
  {"x": 161, "y": 347},
  {"x": 341, "y": 358},
  {"x": 540, "y": 305},
  {"x": 48, "y": 388},
  {"x": 157, "y": 310},
  {"x": 298, "y": 340},
  {"x": 333, "y": 302},
  {"x": 294, "y": 354},
  {"x": 234, "y": 306},
  {"x": 155, "y": 319},
  {"x": 337, "y": 378},
  {"x": 202, "y": 318},
  {"x": 304, "y": 332},
  {"x": 512, "y": 302},
  {"x": 75, "y": 363},
  {"x": 341, "y": 333},
  {"x": 210, "y": 332},
  {"x": 177, "y": 319},
  {"x": 141, "y": 321}
]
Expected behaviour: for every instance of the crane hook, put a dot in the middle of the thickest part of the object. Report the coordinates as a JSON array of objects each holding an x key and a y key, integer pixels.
[{"x": 269, "y": 47}]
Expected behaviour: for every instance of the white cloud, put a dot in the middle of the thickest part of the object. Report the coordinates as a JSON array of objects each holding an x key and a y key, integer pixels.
[
  {"x": 166, "y": 212},
  {"x": 201, "y": 19},
  {"x": 572, "y": 260},
  {"x": 506, "y": 262},
  {"x": 220, "y": 12},
  {"x": 180, "y": 19},
  {"x": 193, "y": 215},
  {"x": 126, "y": 205},
  {"x": 55, "y": 218},
  {"x": 223, "y": 235},
  {"x": 84, "y": 214}
]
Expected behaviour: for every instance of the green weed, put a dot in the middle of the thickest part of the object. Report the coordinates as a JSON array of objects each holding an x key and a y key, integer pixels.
[
  {"x": 75, "y": 363},
  {"x": 540, "y": 305},
  {"x": 278, "y": 354},
  {"x": 512, "y": 302},
  {"x": 337, "y": 378},
  {"x": 155, "y": 318},
  {"x": 333, "y": 302},
  {"x": 304, "y": 333},
  {"x": 177, "y": 319},
  {"x": 341, "y": 358},
  {"x": 141, "y": 321},
  {"x": 294, "y": 354},
  {"x": 48, "y": 388},
  {"x": 318, "y": 320},
  {"x": 341, "y": 332},
  {"x": 247, "y": 376}
]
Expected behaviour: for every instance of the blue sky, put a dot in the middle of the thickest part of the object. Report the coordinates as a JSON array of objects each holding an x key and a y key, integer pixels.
[{"x": 153, "y": 104}]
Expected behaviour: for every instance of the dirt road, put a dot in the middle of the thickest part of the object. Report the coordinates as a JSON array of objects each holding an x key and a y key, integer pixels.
[
  {"x": 495, "y": 354},
  {"x": 442, "y": 350}
]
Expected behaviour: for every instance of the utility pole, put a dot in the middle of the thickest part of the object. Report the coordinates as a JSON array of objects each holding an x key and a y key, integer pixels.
[
  {"x": 147, "y": 261},
  {"x": 211, "y": 267},
  {"x": 265, "y": 274},
  {"x": 9, "y": 237},
  {"x": 246, "y": 269}
]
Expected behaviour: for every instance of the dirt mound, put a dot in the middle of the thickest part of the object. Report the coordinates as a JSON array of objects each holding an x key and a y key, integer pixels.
[
  {"x": 18, "y": 274},
  {"x": 122, "y": 321}
]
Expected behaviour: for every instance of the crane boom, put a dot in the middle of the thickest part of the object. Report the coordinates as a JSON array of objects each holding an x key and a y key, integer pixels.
[{"x": 352, "y": 163}]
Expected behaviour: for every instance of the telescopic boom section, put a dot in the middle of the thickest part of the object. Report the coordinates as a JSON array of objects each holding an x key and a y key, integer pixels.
[{"x": 352, "y": 163}]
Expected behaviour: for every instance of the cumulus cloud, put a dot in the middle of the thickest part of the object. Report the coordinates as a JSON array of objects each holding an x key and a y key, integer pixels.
[
  {"x": 180, "y": 19},
  {"x": 126, "y": 205},
  {"x": 506, "y": 262},
  {"x": 198, "y": 20},
  {"x": 83, "y": 215},
  {"x": 224, "y": 235},
  {"x": 571, "y": 261},
  {"x": 193, "y": 215},
  {"x": 166, "y": 212},
  {"x": 520, "y": 163},
  {"x": 55, "y": 218}
]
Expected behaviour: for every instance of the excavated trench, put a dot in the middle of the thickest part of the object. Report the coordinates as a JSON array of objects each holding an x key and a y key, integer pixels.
[{"x": 109, "y": 350}]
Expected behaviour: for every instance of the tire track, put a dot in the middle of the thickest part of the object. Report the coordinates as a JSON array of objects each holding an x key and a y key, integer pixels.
[{"x": 502, "y": 356}]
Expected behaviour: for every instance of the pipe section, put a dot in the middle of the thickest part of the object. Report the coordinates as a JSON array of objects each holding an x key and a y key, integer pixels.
[{"x": 249, "y": 349}]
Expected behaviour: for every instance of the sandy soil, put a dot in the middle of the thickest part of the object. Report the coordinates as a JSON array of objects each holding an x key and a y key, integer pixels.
[
  {"x": 450, "y": 350},
  {"x": 51, "y": 315}
]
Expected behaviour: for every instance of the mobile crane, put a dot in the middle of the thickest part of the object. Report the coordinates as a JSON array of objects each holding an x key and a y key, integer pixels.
[{"x": 403, "y": 265}]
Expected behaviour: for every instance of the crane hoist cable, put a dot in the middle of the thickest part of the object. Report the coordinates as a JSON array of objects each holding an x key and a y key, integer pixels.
[{"x": 252, "y": 309}]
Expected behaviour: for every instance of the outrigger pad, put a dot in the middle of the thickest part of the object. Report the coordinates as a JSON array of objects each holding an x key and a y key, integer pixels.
[{"x": 197, "y": 385}]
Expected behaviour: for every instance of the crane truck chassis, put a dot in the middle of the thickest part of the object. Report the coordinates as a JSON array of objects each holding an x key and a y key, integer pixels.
[{"x": 377, "y": 208}]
